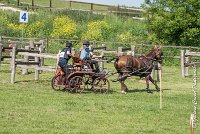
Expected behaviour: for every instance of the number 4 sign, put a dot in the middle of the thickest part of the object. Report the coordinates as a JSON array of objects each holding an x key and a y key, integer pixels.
[{"x": 23, "y": 17}]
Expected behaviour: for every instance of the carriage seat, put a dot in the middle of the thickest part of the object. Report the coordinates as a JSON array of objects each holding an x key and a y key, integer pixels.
[{"x": 77, "y": 61}]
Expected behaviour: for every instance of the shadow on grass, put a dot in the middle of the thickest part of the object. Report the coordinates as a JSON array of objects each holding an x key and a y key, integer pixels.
[
  {"x": 32, "y": 81},
  {"x": 144, "y": 90},
  {"x": 90, "y": 91}
]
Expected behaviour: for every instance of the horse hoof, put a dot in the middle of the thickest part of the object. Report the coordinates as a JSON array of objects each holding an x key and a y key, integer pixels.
[
  {"x": 157, "y": 89},
  {"x": 149, "y": 91},
  {"x": 123, "y": 92}
]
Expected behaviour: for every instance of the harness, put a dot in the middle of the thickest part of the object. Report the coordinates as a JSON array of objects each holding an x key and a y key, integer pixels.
[
  {"x": 129, "y": 66},
  {"x": 148, "y": 62}
]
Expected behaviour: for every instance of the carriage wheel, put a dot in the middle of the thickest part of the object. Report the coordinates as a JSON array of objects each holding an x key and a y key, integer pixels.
[
  {"x": 76, "y": 84},
  {"x": 57, "y": 83},
  {"x": 88, "y": 82},
  {"x": 101, "y": 85}
]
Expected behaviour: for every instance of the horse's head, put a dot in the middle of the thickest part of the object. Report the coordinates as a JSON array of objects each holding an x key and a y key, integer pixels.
[
  {"x": 158, "y": 54},
  {"x": 155, "y": 54}
]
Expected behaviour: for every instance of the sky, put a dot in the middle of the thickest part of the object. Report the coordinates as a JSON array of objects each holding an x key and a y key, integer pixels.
[{"x": 129, "y": 3}]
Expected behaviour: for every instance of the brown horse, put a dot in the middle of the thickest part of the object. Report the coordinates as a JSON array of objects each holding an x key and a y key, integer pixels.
[{"x": 142, "y": 66}]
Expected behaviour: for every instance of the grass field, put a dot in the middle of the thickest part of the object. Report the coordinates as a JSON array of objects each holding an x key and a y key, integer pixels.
[{"x": 30, "y": 106}]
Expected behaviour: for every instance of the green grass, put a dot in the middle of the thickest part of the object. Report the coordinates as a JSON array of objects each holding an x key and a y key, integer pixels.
[{"x": 30, "y": 106}]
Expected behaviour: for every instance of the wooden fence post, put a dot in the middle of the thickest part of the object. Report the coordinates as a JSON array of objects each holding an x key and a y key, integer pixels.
[
  {"x": 118, "y": 8},
  {"x": 26, "y": 59},
  {"x": 13, "y": 66},
  {"x": 50, "y": 4},
  {"x": 33, "y": 4},
  {"x": 46, "y": 45},
  {"x": 36, "y": 69},
  {"x": 101, "y": 63},
  {"x": 132, "y": 50},
  {"x": 119, "y": 51},
  {"x": 70, "y": 4},
  {"x": 92, "y": 7},
  {"x": 18, "y": 1},
  {"x": 183, "y": 63},
  {"x": 187, "y": 60},
  {"x": 41, "y": 50},
  {"x": 31, "y": 45}
]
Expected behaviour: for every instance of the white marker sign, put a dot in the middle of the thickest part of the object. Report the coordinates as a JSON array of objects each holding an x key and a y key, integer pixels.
[{"x": 23, "y": 17}]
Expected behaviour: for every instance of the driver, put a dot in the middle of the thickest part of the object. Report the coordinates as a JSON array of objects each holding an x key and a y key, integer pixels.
[{"x": 86, "y": 54}]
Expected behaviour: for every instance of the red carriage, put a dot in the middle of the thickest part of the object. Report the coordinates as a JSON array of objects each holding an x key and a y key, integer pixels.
[{"x": 80, "y": 77}]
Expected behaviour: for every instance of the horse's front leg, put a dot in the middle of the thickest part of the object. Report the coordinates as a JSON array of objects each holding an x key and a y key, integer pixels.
[
  {"x": 124, "y": 88},
  {"x": 155, "y": 83},
  {"x": 147, "y": 83}
]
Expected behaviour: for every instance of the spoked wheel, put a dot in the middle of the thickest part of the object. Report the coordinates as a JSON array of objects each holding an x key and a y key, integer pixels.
[
  {"x": 57, "y": 83},
  {"x": 76, "y": 84},
  {"x": 101, "y": 85},
  {"x": 88, "y": 82}
]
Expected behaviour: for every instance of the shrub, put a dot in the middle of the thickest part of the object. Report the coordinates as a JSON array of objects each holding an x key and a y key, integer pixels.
[
  {"x": 63, "y": 27},
  {"x": 35, "y": 29},
  {"x": 15, "y": 29},
  {"x": 126, "y": 37},
  {"x": 97, "y": 30}
]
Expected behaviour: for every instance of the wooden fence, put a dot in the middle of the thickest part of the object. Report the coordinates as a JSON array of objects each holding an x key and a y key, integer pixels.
[
  {"x": 186, "y": 61},
  {"x": 103, "y": 51},
  {"x": 26, "y": 64},
  {"x": 38, "y": 64},
  {"x": 6, "y": 47},
  {"x": 137, "y": 12}
]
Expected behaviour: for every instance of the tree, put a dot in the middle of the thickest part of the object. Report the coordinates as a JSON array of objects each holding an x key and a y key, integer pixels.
[{"x": 173, "y": 21}]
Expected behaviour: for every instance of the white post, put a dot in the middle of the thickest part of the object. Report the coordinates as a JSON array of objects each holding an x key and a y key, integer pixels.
[
  {"x": 13, "y": 66},
  {"x": 191, "y": 124},
  {"x": 160, "y": 75}
]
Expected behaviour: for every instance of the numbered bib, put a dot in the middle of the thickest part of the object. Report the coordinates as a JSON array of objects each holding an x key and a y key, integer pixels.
[{"x": 62, "y": 54}]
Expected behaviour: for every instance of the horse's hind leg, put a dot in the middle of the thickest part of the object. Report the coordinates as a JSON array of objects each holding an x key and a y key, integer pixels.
[
  {"x": 147, "y": 83},
  {"x": 155, "y": 83}
]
